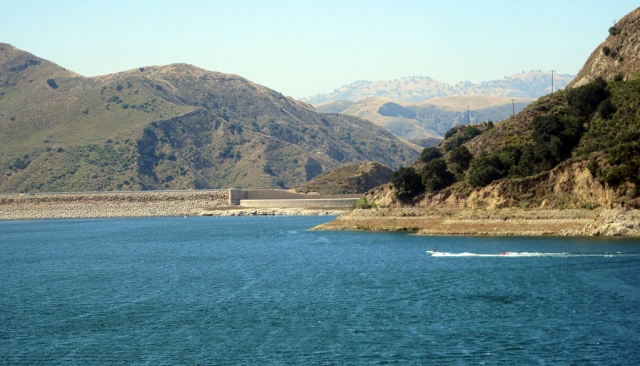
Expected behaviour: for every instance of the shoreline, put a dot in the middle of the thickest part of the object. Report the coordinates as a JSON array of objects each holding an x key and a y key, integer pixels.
[
  {"x": 137, "y": 204},
  {"x": 432, "y": 222},
  {"x": 504, "y": 222}
]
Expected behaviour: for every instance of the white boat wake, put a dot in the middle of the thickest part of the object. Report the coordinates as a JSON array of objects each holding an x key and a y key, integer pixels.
[{"x": 435, "y": 253}]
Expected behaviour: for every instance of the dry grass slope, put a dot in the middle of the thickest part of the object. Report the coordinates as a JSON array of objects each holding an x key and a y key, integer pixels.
[{"x": 167, "y": 127}]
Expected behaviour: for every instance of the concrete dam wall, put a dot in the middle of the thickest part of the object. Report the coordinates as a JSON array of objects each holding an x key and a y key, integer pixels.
[{"x": 282, "y": 198}]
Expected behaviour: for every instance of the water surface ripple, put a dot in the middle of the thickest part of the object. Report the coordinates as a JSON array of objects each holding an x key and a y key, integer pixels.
[{"x": 264, "y": 290}]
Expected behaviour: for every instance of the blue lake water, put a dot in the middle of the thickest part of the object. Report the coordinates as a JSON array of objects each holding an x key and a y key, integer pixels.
[{"x": 265, "y": 290}]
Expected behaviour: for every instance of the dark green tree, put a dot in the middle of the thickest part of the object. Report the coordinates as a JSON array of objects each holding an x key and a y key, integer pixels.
[
  {"x": 406, "y": 183},
  {"x": 461, "y": 156},
  {"x": 485, "y": 170},
  {"x": 52, "y": 84},
  {"x": 435, "y": 175},
  {"x": 429, "y": 154},
  {"x": 586, "y": 98}
]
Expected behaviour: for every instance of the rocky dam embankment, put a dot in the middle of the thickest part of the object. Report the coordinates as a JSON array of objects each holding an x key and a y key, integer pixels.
[
  {"x": 112, "y": 204},
  {"x": 142, "y": 204}
]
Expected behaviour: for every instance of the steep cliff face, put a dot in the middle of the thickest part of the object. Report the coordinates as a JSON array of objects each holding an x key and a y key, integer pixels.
[
  {"x": 569, "y": 185},
  {"x": 619, "y": 53}
]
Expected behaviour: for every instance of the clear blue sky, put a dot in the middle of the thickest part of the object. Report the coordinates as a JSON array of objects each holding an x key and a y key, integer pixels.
[{"x": 303, "y": 48}]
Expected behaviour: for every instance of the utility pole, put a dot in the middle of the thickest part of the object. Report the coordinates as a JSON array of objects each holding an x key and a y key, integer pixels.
[
  {"x": 514, "y": 108},
  {"x": 552, "y": 71},
  {"x": 468, "y": 116}
]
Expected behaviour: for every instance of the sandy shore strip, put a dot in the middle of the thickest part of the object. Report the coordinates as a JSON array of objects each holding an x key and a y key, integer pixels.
[
  {"x": 227, "y": 211},
  {"x": 507, "y": 222}
]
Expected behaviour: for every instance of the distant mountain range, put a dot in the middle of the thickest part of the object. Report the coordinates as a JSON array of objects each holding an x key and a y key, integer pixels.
[
  {"x": 425, "y": 123},
  {"x": 167, "y": 127},
  {"x": 421, "y": 110},
  {"x": 526, "y": 85}
]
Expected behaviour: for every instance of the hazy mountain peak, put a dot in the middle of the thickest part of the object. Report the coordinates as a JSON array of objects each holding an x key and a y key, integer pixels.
[{"x": 528, "y": 85}]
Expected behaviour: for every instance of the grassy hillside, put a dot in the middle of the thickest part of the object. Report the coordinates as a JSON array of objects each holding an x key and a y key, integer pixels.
[
  {"x": 173, "y": 127},
  {"x": 579, "y": 147},
  {"x": 352, "y": 178},
  {"x": 335, "y": 106},
  {"x": 593, "y": 129}
]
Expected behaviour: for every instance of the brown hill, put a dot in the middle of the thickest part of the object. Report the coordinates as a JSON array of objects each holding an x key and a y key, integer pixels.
[
  {"x": 353, "y": 178},
  {"x": 334, "y": 106},
  {"x": 174, "y": 127}
]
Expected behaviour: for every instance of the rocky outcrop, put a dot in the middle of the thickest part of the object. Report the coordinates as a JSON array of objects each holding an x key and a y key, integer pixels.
[
  {"x": 619, "y": 53},
  {"x": 570, "y": 184}
]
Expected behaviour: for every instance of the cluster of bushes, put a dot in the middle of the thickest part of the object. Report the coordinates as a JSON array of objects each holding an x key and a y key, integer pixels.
[
  {"x": 435, "y": 175},
  {"x": 363, "y": 203},
  {"x": 19, "y": 163},
  {"x": 457, "y": 136},
  {"x": 553, "y": 137},
  {"x": 623, "y": 165},
  {"x": 589, "y": 121},
  {"x": 615, "y": 135}
]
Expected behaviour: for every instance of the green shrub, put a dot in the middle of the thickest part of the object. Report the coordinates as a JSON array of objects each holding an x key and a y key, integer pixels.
[
  {"x": 614, "y": 31},
  {"x": 606, "y": 50},
  {"x": 19, "y": 163},
  {"x": 461, "y": 156},
  {"x": 590, "y": 205},
  {"x": 362, "y": 203},
  {"x": 52, "y": 84},
  {"x": 457, "y": 136},
  {"x": 592, "y": 165},
  {"x": 606, "y": 109}
]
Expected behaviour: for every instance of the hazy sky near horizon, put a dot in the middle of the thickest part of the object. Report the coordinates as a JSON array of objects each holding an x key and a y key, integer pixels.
[{"x": 302, "y": 48}]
